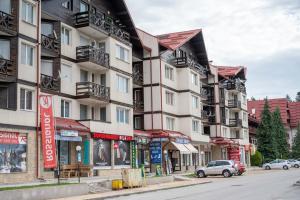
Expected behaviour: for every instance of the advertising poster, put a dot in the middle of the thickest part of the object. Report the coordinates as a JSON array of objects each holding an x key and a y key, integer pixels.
[
  {"x": 13, "y": 152},
  {"x": 102, "y": 153},
  {"x": 234, "y": 154},
  {"x": 155, "y": 152},
  {"x": 122, "y": 153}
]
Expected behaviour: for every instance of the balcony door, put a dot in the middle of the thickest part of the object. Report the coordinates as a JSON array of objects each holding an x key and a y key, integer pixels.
[
  {"x": 5, "y": 6},
  {"x": 47, "y": 29},
  {"x": 5, "y": 49},
  {"x": 83, "y": 76},
  {"x": 47, "y": 67},
  {"x": 138, "y": 95}
]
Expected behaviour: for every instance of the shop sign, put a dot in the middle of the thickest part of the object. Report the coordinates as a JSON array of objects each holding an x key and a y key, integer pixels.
[
  {"x": 68, "y": 133},
  {"x": 13, "y": 152},
  {"x": 133, "y": 155},
  {"x": 182, "y": 141},
  {"x": 47, "y": 126},
  {"x": 112, "y": 137},
  {"x": 160, "y": 139},
  {"x": 155, "y": 152},
  {"x": 141, "y": 140}
]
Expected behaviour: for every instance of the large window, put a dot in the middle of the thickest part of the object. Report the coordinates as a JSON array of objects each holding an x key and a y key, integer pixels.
[
  {"x": 170, "y": 98},
  {"x": 5, "y": 49},
  {"x": 194, "y": 78},
  {"x": 65, "y": 109},
  {"x": 195, "y": 102},
  {"x": 122, "y": 53},
  {"x": 195, "y": 125},
  {"x": 65, "y": 36},
  {"x": 170, "y": 123},
  {"x": 169, "y": 72},
  {"x": 27, "y": 54},
  {"x": 26, "y": 99},
  {"x": 122, "y": 115},
  {"x": 28, "y": 13},
  {"x": 122, "y": 84}
]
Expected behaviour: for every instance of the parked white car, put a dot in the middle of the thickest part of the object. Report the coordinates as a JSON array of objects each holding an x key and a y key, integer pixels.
[
  {"x": 227, "y": 168},
  {"x": 294, "y": 163},
  {"x": 277, "y": 164}
]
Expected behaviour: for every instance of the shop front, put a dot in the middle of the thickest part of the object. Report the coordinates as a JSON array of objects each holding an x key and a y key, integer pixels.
[{"x": 142, "y": 140}]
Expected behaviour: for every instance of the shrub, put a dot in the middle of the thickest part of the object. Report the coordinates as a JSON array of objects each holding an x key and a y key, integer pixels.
[{"x": 256, "y": 159}]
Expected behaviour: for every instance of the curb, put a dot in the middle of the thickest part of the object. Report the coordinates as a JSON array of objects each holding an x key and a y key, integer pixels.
[{"x": 153, "y": 190}]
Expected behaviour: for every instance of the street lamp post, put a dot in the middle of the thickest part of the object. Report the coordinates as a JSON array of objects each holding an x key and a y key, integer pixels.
[{"x": 78, "y": 150}]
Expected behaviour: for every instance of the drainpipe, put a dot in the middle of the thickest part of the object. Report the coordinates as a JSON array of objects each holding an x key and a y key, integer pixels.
[
  {"x": 151, "y": 92},
  {"x": 37, "y": 85},
  {"x": 161, "y": 107}
]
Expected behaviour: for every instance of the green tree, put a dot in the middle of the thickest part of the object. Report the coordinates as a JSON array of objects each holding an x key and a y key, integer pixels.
[
  {"x": 279, "y": 135},
  {"x": 256, "y": 159},
  {"x": 265, "y": 137},
  {"x": 298, "y": 97},
  {"x": 289, "y": 98},
  {"x": 296, "y": 144}
]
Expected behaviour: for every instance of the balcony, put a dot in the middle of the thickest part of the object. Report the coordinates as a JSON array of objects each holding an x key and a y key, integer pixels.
[
  {"x": 203, "y": 93},
  {"x": 138, "y": 106},
  {"x": 185, "y": 61},
  {"x": 50, "y": 46},
  {"x": 234, "y": 104},
  {"x": 94, "y": 24},
  {"x": 92, "y": 58},
  {"x": 204, "y": 115},
  {"x": 137, "y": 73},
  {"x": 235, "y": 86},
  {"x": 7, "y": 24},
  {"x": 7, "y": 70},
  {"x": 50, "y": 83},
  {"x": 235, "y": 123},
  {"x": 92, "y": 92}
]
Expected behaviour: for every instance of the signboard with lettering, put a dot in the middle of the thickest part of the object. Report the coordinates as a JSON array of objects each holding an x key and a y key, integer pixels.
[
  {"x": 112, "y": 137},
  {"x": 155, "y": 152},
  {"x": 133, "y": 155},
  {"x": 68, "y": 133}
]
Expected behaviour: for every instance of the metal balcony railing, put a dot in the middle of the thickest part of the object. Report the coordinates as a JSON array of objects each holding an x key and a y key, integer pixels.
[
  {"x": 235, "y": 123},
  {"x": 181, "y": 61},
  {"x": 92, "y": 54},
  {"x": 234, "y": 85},
  {"x": 89, "y": 89},
  {"x": 101, "y": 22},
  {"x": 49, "y": 83},
  {"x": 50, "y": 43}
]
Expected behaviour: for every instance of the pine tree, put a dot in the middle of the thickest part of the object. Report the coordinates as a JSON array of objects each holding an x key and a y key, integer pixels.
[
  {"x": 289, "y": 99},
  {"x": 279, "y": 135},
  {"x": 298, "y": 97},
  {"x": 265, "y": 136},
  {"x": 296, "y": 144}
]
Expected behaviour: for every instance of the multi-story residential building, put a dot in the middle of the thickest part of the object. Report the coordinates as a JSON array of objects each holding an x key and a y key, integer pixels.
[
  {"x": 175, "y": 68},
  {"x": 229, "y": 134},
  {"x": 289, "y": 112}
]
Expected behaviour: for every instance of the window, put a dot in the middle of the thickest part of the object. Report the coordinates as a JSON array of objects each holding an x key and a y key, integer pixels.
[
  {"x": 122, "y": 84},
  {"x": 170, "y": 123},
  {"x": 3, "y": 97},
  {"x": 65, "y": 109},
  {"x": 65, "y": 36},
  {"x": 27, "y": 54},
  {"x": 47, "y": 67},
  {"x": 47, "y": 29},
  {"x": 103, "y": 114},
  {"x": 122, "y": 115},
  {"x": 194, "y": 78},
  {"x": 122, "y": 53},
  {"x": 27, "y": 12},
  {"x": 83, "y": 76},
  {"x": 169, "y": 72},
  {"x": 244, "y": 99},
  {"x": 83, "y": 7},
  {"x": 26, "y": 99},
  {"x": 195, "y": 102},
  {"x": 5, "y": 6},
  {"x": 224, "y": 132},
  {"x": 195, "y": 125},
  {"x": 137, "y": 123},
  {"x": 170, "y": 98},
  {"x": 5, "y": 49},
  {"x": 66, "y": 73},
  {"x": 83, "y": 112},
  {"x": 84, "y": 41},
  {"x": 68, "y": 4},
  {"x": 244, "y": 116}
]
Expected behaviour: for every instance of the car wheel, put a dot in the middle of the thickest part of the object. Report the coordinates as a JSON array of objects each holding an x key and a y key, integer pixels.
[
  {"x": 296, "y": 166},
  {"x": 201, "y": 174},
  {"x": 226, "y": 173},
  {"x": 267, "y": 168},
  {"x": 239, "y": 173},
  {"x": 285, "y": 167}
]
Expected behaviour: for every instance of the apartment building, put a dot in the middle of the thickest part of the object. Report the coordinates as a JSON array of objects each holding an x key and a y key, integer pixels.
[{"x": 229, "y": 134}]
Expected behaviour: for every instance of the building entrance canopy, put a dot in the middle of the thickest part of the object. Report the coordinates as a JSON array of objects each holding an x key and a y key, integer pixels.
[{"x": 181, "y": 147}]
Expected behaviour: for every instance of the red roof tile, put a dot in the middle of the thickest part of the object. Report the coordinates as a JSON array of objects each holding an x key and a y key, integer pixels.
[
  {"x": 295, "y": 113},
  {"x": 70, "y": 124},
  {"x": 228, "y": 71},
  {"x": 174, "y": 40},
  {"x": 258, "y": 105}
]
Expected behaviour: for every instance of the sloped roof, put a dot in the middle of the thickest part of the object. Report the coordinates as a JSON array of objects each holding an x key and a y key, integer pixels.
[
  {"x": 174, "y": 40},
  {"x": 258, "y": 106},
  {"x": 230, "y": 71},
  {"x": 295, "y": 113},
  {"x": 70, "y": 124}
]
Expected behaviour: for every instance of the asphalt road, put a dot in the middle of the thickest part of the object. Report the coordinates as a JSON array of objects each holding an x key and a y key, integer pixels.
[{"x": 264, "y": 185}]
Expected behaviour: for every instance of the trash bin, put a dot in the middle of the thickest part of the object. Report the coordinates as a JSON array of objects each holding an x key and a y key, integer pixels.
[{"x": 117, "y": 184}]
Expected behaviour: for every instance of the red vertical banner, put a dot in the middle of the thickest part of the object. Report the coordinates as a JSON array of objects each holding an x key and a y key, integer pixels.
[{"x": 48, "y": 132}]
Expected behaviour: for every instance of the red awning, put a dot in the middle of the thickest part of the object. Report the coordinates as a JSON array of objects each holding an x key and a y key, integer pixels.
[
  {"x": 168, "y": 134},
  {"x": 223, "y": 141},
  {"x": 140, "y": 133},
  {"x": 70, "y": 124}
]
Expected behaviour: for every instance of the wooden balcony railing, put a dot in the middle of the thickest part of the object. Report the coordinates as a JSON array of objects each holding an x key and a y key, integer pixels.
[
  {"x": 101, "y": 22},
  {"x": 50, "y": 43},
  {"x": 234, "y": 85},
  {"x": 234, "y": 104},
  {"x": 7, "y": 22},
  {"x": 235, "y": 123},
  {"x": 204, "y": 115},
  {"x": 92, "y": 54},
  {"x": 138, "y": 105},
  {"x": 6, "y": 67},
  {"x": 137, "y": 73},
  {"x": 89, "y": 89},
  {"x": 181, "y": 61},
  {"x": 203, "y": 93},
  {"x": 49, "y": 83}
]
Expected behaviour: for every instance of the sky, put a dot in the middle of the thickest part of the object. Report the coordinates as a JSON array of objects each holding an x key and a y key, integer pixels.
[{"x": 262, "y": 35}]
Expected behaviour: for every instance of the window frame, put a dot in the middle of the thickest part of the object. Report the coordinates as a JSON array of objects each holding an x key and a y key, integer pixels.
[
  {"x": 195, "y": 99},
  {"x": 25, "y": 16},
  {"x": 194, "y": 78},
  {"x": 119, "y": 49},
  {"x": 122, "y": 119},
  {"x": 27, "y": 46},
  {"x": 170, "y": 123},
  {"x": 63, "y": 35},
  {"x": 25, "y": 99},
  {"x": 169, "y": 72},
  {"x": 195, "y": 122},
  {"x": 170, "y": 98},
  {"x": 120, "y": 81},
  {"x": 63, "y": 112}
]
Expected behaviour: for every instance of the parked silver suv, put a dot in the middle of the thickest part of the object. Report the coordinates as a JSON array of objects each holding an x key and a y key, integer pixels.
[{"x": 227, "y": 168}]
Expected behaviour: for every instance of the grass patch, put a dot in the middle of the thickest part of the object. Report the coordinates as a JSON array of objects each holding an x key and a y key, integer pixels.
[
  {"x": 34, "y": 186},
  {"x": 192, "y": 175}
]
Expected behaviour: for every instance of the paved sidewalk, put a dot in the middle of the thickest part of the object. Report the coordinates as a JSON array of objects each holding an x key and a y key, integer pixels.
[{"x": 150, "y": 188}]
